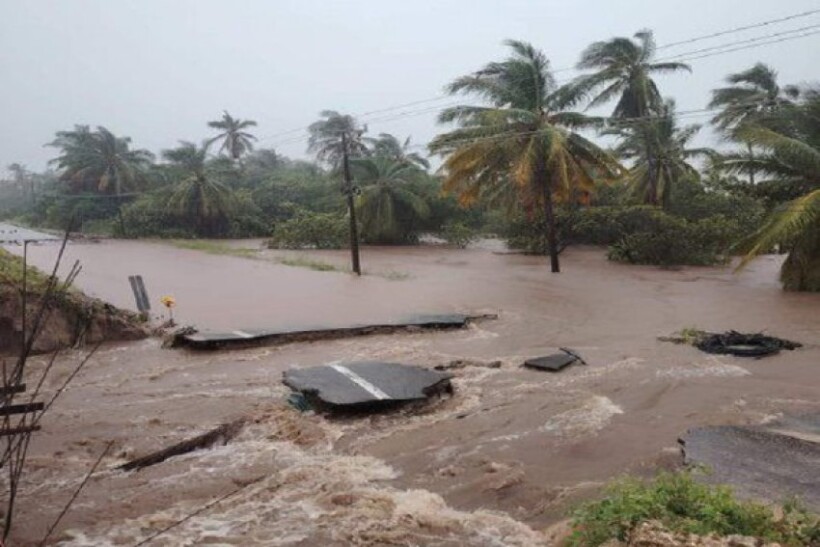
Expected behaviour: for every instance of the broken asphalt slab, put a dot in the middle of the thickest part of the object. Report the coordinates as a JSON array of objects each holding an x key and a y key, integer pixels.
[
  {"x": 554, "y": 362},
  {"x": 774, "y": 462},
  {"x": 250, "y": 337},
  {"x": 369, "y": 384}
]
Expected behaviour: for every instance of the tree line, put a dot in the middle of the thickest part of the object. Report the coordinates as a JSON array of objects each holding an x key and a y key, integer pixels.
[{"x": 521, "y": 158}]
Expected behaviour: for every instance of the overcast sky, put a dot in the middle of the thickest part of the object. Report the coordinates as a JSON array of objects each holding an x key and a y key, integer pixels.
[{"x": 158, "y": 70}]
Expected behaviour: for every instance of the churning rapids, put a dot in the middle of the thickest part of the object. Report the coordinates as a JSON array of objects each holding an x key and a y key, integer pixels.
[{"x": 496, "y": 464}]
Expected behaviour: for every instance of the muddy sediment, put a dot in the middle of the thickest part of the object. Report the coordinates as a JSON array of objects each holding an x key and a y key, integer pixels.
[
  {"x": 69, "y": 318},
  {"x": 498, "y": 462}
]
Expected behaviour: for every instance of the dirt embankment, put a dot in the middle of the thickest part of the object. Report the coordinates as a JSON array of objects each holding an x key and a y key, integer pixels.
[{"x": 70, "y": 317}]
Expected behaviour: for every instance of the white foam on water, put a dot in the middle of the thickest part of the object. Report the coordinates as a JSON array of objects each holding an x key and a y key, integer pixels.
[
  {"x": 592, "y": 416},
  {"x": 712, "y": 367},
  {"x": 314, "y": 495}
]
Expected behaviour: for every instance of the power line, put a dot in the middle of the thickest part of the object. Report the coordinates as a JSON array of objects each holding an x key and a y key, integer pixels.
[
  {"x": 739, "y": 29},
  {"x": 740, "y": 42},
  {"x": 753, "y": 46},
  {"x": 719, "y": 49}
]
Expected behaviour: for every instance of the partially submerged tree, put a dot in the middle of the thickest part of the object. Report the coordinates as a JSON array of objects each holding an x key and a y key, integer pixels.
[
  {"x": 235, "y": 140},
  {"x": 624, "y": 70},
  {"x": 196, "y": 196},
  {"x": 524, "y": 140},
  {"x": 388, "y": 207},
  {"x": 99, "y": 161},
  {"x": 790, "y": 156}
]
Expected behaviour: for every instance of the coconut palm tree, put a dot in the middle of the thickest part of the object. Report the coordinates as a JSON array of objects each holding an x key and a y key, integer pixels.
[
  {"x": 670, "y": 150},
  {"x": 752, "y": 96},
  {"x": 388, "y": 208},
  {"x": 99, "y": 161},
  {"x": 326, "y": 138},
  {"x": 197, "y": 197},
  {"x": 521, "y": 140},
  {"x": 235, "y": 141},
  {"x": 623, "y": 70},
  {"x": 387, "y": 145},
  {"x": 790, "y": 156}
]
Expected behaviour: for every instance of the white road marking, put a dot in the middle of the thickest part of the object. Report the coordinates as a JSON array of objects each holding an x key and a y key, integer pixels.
[
  {"x": 243, "y": 334},
  {"x": 361, "y": 382}
]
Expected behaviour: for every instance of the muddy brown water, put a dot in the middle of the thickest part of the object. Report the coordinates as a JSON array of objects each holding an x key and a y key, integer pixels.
[{"x": 496, "y": 464}]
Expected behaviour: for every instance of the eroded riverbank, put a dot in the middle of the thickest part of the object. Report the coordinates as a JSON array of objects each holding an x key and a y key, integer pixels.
[{"x": 495, "y": 464}]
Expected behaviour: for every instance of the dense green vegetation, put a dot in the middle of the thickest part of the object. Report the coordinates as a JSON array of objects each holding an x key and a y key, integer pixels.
[
  {"x": 519, "y": 160},
  {"x": 681, "y": 504}
]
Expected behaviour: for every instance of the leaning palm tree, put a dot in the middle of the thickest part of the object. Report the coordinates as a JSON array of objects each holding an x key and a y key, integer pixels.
[
  {"x": 99, "y": 161},
  {"x": 387, "y": 145},
  {"x": 326, "y": 140},
  {"x": 197, "y": 197},
  {"x": 752, "y": 96},
  {"x": 670, "y": 150},
  {"x": 623, "y": 70},
  {"x": 235, "y": 141},
  {"x": 790, "y": 157},
  {"x": 389, "y": 209},
  {"x": 522, "y": 140}
]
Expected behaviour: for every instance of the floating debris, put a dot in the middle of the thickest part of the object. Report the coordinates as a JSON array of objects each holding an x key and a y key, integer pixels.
[
  {"x": 366, "y": 385},
  {"x": 744, "y": 345},
  {"x": 222, "y": 434},
  {"x": 554, "y": 362},
  {"x": 731, "y": 342}
]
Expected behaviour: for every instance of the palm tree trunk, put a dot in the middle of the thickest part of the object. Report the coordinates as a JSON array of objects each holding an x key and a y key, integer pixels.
[
  {"x": 751, "y": 169},
  {"x": 549, "y": 215},
  {"x": 652, "y": 191}
]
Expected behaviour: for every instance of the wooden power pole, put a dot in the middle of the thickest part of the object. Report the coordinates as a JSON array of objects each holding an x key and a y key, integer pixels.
[{"x": 349, "y": 191}]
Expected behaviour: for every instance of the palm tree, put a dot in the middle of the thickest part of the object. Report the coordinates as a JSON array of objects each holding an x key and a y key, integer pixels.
[
  {"x": 197, "y": 197},
  {"x": 387, "y": 145},
  {"x": 235, "y": 141},
  {"x": 624, "y": 70},
  {"x": 524, "y": 140},
  {"x": 669, "y": 146},
  {"x": 790, "y": 156},
  {"x": 388, "y": 208},
  {"x": 99, "y": 161},
  {"x": 326, "y": 138},
  {"x": 752, "y": 96}
]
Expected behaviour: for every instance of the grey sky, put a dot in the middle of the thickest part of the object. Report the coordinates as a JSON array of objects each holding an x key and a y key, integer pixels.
[{"x": 157, "y": 70}]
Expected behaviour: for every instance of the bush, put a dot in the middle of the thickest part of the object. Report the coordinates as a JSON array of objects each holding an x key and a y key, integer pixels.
[
  {"x": 528, "y": 233},
  {"x": 148, "y": 216},
  {"x": 458, "y": 235},
  {"x": 682, "y": 504},
  {"x": 638, "y": 234},
  {"x": 307, "y": 230},
  {"x": 676, "y": 241}
]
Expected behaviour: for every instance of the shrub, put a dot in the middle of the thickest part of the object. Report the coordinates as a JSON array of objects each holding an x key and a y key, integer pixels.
[
  {"x": 682, "y": 504},
  {"x": 676, "y": 241},
  {"x": 458, "y": 235},
  {"x": 638, "y": 234},
  {"x": 528, "y": 232},
  {"x": 310, "y": 230}
]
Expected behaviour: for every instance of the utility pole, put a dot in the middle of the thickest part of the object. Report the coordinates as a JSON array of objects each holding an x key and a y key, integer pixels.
[{"x": 348, "y": 191}]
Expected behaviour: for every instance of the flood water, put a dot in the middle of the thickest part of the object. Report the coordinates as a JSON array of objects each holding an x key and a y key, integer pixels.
[{"x": 498, "y": 463}]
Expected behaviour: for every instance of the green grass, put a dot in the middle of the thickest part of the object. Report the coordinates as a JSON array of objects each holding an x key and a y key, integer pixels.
[
  {"x": 213, "y": 247},
  {"x": 303, "y": 262},
  {"x": 685, "y": 505}
]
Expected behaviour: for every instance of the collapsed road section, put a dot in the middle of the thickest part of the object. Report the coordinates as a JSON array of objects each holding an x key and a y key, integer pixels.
[
  {"x": 775, "y": 461},
  {"x": 252, "y": 337},
  {"x": 369, "y": 385}
]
